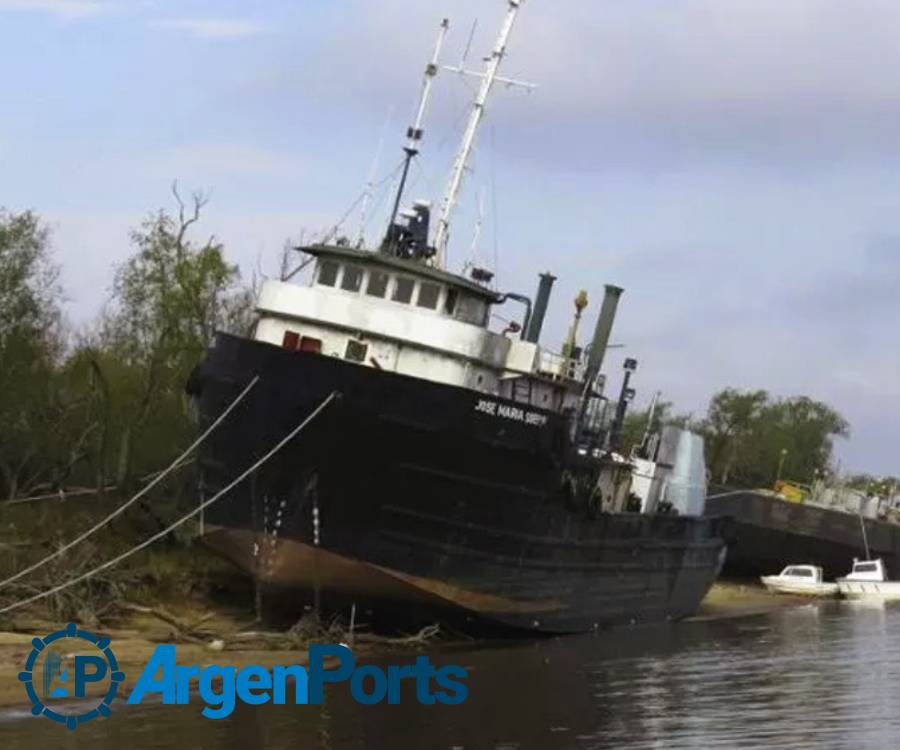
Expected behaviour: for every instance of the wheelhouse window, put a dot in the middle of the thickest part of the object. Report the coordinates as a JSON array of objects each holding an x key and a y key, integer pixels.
[
  {"x": 328, "y": 273},
  {"x": 800, "y": 572},
  {"x": 450, "y": 301},
  {"x": 428, "y": 295},
  {"x": 352, "y": 278},
  {"x": 378, "y": 283},
  {"x": 471, "y": 310},
  {"x": 403, "y": 290}
]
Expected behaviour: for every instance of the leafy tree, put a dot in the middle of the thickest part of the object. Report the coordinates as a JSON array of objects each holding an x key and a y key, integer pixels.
[
  {"x": 797, "y": 434},
  {"x": 170, "y": 297},
  {"x": 886, "y": 486},
  {"x": 28, "y": 278},
  {"x": 749, "y": 437},
  {"x": 729, "y": 423},
  {"x": 110, "y": 406},
  {"x": 30, "y": 347}
]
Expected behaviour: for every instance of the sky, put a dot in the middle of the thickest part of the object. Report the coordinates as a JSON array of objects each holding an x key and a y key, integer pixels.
[{"x": 733, "y": 164}]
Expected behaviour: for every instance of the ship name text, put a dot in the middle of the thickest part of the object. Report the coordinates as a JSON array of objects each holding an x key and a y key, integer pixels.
[{"x": 505, "y": 411}]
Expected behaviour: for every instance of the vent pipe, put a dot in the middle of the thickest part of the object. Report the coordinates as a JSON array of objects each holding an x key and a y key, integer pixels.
[{"x": 533, "y": 333}]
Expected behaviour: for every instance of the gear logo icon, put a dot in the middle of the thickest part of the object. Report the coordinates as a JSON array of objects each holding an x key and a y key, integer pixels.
[{"x": 88, "y": 682}]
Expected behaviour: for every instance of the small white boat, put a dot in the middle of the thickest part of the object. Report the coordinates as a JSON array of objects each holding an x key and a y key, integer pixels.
[
  {"x": 868, "y": 580},
  {"x": 805, "y": 580}
]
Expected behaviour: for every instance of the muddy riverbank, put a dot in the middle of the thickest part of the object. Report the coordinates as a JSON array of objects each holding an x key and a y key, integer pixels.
[{"x": 219, "y": 637}]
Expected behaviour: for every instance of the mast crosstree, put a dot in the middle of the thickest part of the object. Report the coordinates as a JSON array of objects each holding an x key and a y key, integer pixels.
[
  {"x": 488, "y": 79},
  {"x": 409, "y": 238}
]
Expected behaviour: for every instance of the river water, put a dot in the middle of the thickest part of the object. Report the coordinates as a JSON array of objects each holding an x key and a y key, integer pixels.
[{"x": 817, "y": 675}]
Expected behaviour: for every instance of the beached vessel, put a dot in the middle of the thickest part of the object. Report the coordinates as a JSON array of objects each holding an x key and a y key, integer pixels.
[
  {"x": 766, "y": 532},
  {"x": 462, "y": 469}
]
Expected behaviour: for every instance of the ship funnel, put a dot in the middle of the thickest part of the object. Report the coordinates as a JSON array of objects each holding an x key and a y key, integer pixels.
[
  {"x": 533, "y": 333},
  {"x": 603, "y": 330}
]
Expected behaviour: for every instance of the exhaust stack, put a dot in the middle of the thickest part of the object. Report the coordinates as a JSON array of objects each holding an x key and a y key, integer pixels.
[
  {"x": 536, "y": 323},
  {"x": 595, "y": 361},
  {"x": 603, "y": 330}
]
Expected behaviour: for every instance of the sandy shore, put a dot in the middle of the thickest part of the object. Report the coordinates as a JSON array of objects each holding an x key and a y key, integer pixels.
[
  {"x": 132, "y": 650},
  {"x": 742, "y": 599},
  {"x": 136, "y": 639}
]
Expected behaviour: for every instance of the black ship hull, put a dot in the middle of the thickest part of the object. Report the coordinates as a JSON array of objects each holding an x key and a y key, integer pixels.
[
  {"x": 765, "y": 534},
  {"x": 409, "y": 493}
]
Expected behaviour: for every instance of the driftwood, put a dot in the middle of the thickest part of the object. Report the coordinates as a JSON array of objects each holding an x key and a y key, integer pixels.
[
  {"x": 200, "y": 620},
  {"x": 184, "y": 631},
  {"x": 297, "y": 637},
  {"x": 265, "y": 640},
  {"x": 293, "y": 639},
  {"x": 425, "y": 634}
]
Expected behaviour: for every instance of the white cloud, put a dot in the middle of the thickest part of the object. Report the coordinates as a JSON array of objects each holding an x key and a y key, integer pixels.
[
  {"x": 67, "y": 9},
  {"x": 214, "y": 28},
  {"x": 802, "y": 83}
]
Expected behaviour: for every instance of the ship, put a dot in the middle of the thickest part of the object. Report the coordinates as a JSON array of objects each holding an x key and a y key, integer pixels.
[
  {"x": 450, "y": 469},
  {"x": 823, "y": 526}
]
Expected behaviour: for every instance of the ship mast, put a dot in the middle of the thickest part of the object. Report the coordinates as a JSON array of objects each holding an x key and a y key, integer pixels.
[
  {"x": 488, "y": 78},
  {"x": 414, "y": 133}
]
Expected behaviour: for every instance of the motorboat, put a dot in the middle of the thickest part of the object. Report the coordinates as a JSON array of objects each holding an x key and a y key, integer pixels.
[
  {"x": 868, "y": 580},
  {"x": 805, "y": 580}
]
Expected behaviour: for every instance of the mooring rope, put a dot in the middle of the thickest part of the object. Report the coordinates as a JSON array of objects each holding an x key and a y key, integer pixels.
[
  {"x": 122, "y": 508},
  {"x": 188, "y": 516}
]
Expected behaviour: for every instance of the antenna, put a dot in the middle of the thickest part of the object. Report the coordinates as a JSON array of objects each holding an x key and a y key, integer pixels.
[
  {"x": 414, "y": 133},
  {"x": 370, "y": 185},
  {"x": 645, "y": 440},
  {"x": 476, "y": 236},
  {"x": 468, "y": 48},
  {"x": 488, "y": 78}
]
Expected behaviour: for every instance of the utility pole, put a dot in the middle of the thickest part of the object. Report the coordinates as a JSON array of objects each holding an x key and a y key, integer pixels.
[{"x": 783, "y": 455}]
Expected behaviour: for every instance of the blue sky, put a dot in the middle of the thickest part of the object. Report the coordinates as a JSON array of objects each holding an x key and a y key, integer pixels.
[{"x": 734, "y": 164}]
